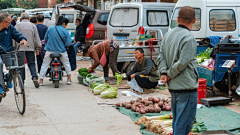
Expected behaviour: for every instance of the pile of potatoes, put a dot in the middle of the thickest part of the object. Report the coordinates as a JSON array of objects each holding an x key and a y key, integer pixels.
[{"x": 150, "y": 105}]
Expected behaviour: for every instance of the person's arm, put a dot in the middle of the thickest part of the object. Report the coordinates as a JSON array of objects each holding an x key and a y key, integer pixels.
[
  {"x": 95, "y": 58},
  {"x": 187, "y": 55},
  {"x": 129, "y": 73},
  {"x": 46, "y": 35},
  {"x": 37, "y": 39},
  {"x": 68, "y": 39},
  {"x": 162, "y": 65},
  {"x": 147, "y": 68}
]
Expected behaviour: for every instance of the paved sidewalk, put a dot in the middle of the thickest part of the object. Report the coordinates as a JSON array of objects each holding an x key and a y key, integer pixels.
[{"x": 68, "y": 110}]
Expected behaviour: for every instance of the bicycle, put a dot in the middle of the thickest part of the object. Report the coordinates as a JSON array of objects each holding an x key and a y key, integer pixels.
[{"x": 12, "y": 60}]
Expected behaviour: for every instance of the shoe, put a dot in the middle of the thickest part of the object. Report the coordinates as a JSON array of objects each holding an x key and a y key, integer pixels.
[
  {"x": 1, "y": 90},
  {"x": 35, "y": 81},
  {"x": 40, "y": 84},
  {"x": 10, "y": 85},
  {"x": 106, "y": 79},
  {"x": 69, "y": 82}
]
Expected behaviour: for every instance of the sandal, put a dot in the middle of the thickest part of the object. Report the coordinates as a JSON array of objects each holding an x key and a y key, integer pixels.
[{"x": 69, "y": 82}]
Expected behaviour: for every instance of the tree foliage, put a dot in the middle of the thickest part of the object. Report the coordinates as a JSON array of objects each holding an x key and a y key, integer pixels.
[
  {"x": 4, "y": 4},
  {"x": 29, "y": 4}
]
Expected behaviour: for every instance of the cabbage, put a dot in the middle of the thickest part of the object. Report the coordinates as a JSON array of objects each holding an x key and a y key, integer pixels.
[
  {"x": 110, "y": 93},
  {"x": 100, "y": 88},
  {"x": 118, "y": 77}
]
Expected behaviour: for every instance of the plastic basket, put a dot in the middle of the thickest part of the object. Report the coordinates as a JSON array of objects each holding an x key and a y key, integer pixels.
[
  {"x": 206, "y": 74},
  {"x": 10, "y": 58}
]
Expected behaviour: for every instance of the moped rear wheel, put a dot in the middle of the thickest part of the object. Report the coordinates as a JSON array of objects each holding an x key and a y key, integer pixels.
[{"x": 56, "y": 84}]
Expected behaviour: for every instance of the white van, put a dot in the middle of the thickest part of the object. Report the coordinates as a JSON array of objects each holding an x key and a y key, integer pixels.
[
  {"x": 128, "y": 20},
  {"x": 214, "y": 17}
]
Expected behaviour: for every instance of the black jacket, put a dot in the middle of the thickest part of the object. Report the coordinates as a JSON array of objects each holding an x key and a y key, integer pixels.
[{"x": 79, "y": 34}]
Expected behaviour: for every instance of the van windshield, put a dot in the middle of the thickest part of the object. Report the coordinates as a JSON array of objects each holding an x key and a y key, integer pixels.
[
  {"x": 124, "y": 17},
  {"x": 196, "y": 26}
]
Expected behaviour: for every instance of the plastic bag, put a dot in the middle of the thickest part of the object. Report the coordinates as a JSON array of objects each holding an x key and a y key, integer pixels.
[{"x": 134, "y": 85}]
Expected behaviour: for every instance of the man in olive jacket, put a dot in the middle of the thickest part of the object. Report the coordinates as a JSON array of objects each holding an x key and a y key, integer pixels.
[{"x": 178, "y": 67}]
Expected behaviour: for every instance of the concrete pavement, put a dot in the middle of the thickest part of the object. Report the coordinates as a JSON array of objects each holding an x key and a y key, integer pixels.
[{"x": 68, "y": 110}]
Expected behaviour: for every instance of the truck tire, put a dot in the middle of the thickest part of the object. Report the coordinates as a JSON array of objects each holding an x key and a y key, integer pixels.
[{"x": 130, "y": 66}]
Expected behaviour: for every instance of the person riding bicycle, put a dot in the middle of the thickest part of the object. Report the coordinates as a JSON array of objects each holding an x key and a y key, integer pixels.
[
  {"x": 7, "y": 33},
  {"x": 57, "y": 44}
]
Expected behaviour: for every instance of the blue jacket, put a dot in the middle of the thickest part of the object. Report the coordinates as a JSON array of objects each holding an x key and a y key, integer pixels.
[
  {"x": 54, "y": 42},
  {"x": 6, "y": 36}
]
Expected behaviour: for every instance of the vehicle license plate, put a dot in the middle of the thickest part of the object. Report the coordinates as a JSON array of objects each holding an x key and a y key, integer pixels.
[{"x": 121, "y": 37}]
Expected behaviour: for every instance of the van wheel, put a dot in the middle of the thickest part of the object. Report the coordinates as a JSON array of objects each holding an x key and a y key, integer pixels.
[{"x": 130, "y": 67}]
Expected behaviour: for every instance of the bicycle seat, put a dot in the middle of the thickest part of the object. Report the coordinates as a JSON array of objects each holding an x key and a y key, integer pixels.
[{"x": 55, "y": 55}]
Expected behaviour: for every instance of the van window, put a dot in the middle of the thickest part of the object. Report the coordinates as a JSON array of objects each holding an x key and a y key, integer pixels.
[
  {"x": 102, "y": 19},
  {"x": 196, "y": 26},
  {"x": 124, "y": 17},
  {"x": 222, "y": 20},
  {"x": 157, "y": 18},
  {"x": 70, "y": 17}
]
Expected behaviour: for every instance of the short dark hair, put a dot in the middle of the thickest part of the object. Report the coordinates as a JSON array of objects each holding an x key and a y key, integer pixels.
[
  {"x": 186, "y": 14},
  {"x": 33, "y": 19},
  {"x": 62, "y": 20},
  {"x": 4, "y": 16},
  {"x": 78, "y": 20},
  {"x": 139, "y": 49},
  {"x": 85, "y": 50},
  {"x": 40, "y": 18}
]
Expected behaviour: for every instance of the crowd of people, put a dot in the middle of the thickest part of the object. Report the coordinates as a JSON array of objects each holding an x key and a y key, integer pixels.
[{"x": 176, "y": 61}]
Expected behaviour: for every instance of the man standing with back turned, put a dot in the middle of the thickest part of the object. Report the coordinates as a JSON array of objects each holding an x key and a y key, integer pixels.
[{"x": 178, "y": 68}]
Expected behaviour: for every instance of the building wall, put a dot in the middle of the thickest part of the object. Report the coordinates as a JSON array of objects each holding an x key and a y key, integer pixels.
[{"x": 42, "y": 3}]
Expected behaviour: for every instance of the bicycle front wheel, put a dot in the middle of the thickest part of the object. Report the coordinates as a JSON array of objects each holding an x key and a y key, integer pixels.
[{"x": 19, "y": 93}]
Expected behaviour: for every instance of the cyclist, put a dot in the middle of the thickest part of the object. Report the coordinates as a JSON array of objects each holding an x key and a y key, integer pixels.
[{"x": 7, "y": 33}]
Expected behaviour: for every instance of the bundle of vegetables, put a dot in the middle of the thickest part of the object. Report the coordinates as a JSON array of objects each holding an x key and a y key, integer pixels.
[
  {"x": 83, "y": 72},
  {"x": 150, "y": 105},
  {"x": 110, "y": 93},
  {"x": 92, "y": 86},
  {"x": 100, "y": 88},
  {"x": 119, "y": 77},
  {"x": 198, "y": 127},
  {"x": 204, "y": 55},
  {"x": 157, "y": 124}
]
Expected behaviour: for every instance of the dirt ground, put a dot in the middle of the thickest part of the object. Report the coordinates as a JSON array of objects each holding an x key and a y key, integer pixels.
[{"x": 123, "y": 87}]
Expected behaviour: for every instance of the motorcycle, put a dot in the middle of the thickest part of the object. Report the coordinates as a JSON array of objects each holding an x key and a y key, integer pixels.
[{"x": 56, "y": 72}]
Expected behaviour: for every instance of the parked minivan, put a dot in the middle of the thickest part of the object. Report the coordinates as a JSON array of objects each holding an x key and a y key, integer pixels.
[
  {"x": 128, "y": 20},
  {"x": 96, "y": 29},
  {"x": 214, "y": 17}
]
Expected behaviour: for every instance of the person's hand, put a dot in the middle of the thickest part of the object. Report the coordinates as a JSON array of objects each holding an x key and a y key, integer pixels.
[
  {"x": 234, "y": 64},
  {"x": 23, "y": 42},
  {"x": 37, "y": 52},
  {"x": 74, "y": 42},
  {"x": 132, "y": 76},
  {"x": 164, "y": 78},
  {"x": 78, "y": 41},
  {"x": 90, "y": 70}
]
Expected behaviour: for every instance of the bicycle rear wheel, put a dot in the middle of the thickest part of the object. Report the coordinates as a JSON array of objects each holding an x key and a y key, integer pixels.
[{"x": 19, "y": 93}]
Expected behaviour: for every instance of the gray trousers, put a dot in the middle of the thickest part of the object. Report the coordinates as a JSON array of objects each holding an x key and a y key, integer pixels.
[{"x": 1, "y": 72}]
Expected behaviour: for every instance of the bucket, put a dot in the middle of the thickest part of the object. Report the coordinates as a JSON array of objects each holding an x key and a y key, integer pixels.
[{"x": 202, "y": 89}]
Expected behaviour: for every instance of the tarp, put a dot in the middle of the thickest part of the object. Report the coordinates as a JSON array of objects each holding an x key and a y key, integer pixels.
[{"x": 214, "y": 118}]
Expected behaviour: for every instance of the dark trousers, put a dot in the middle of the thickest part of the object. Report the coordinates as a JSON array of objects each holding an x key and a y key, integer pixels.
[
  {"x": 30, "y": 55},
  {"x": 184, "y": 107},
  {"x": 39, "y": 62},
  {"x": 143, "y": 81},
  {"x": 112, "y": 61}
]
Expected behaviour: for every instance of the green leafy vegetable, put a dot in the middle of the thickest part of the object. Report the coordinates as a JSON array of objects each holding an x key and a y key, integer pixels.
[
  {"x": 100, "y": 88},
  {"x": 82, "y": 70},
  {"x": 204, "y": 55},
  {"x": 118, "y": 77},
  {"x": 110, "y": 93}
]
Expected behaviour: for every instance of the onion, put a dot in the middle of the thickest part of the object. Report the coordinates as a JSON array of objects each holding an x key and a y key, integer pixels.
[
  {"x": 124, "y": 104},
  {"x": 117, "y": 105},
  {"x": 137, "y": 109},
  {"x": 142, "y": 111},
  {"x": 128, "y": 106},
  {"x": 157, "y": 100},
  {"x": 157, "y": 110},
  {"x": 160, "y": 104},
  {"x": 132, "y": 102},
  {"x": 168, "y": 108},
  {"x": 150, "y": 99},
  {"x": 146, "y": 109},
  {"x": 164, "y": 107},
  {"x": 151, "y": 109},
  {"x": 139, "y": 98},
  {"x": 133, "y": 108},
  {"x": 144, "y": 101}
]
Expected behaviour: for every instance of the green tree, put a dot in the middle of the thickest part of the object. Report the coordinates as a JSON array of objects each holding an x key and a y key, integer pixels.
[
  {"x": 28, "y": 4},
  {"x": 4, "y": 4}
]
